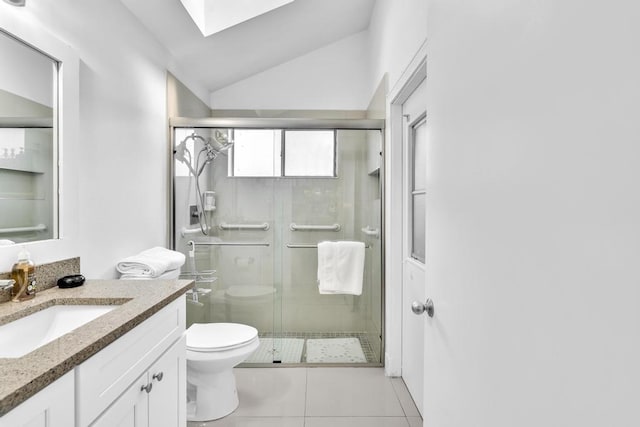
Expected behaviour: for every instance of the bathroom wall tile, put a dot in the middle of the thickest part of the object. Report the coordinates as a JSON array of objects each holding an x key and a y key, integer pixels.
[
  {"x": 271, "y": 392},
  {"x": 235, "y": 421},
  {"x": 415, "y": 421},
  {"x": 408, "y": 405},
  {"x": 356, "y": 422},
  {"x": 358, "y": 392}
]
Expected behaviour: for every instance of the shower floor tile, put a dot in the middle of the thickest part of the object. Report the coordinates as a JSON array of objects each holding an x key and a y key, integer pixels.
[
  {"x": 365, "y": 344},
  {"x": 335, "y": 350}
]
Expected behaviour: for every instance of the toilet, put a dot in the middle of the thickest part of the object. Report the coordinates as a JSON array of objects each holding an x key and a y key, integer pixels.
[{"x": 213, "y": 349}]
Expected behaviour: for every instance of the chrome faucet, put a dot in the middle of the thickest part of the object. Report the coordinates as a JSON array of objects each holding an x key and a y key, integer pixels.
[
  {"x": 6, "y": 290},
  {"x": 6, "y": 284}
]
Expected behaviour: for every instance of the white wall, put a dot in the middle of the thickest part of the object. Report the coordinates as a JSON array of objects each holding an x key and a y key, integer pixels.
[
  {"x": 334, "y": 77},
  {"x": 122, "y": 149},
  {"x": 396, "y": 32},
  {"x": 533, "y": 221}
]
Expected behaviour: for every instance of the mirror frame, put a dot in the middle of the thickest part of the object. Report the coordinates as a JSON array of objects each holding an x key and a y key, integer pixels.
[{"x": 23, "y": 25}]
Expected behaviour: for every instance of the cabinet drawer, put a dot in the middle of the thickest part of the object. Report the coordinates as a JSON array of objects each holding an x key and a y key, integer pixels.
[{"x": 107, "y": 374}]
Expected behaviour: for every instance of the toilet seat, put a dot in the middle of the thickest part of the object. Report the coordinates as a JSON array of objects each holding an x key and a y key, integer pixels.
[{"x": 213, "y": 337}]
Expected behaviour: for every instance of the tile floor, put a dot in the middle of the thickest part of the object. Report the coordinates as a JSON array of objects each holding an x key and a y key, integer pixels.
[{"x": 319, "y": 397}]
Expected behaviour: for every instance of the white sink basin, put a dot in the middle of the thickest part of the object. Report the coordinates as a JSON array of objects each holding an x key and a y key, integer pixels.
[{"x": 28, "y": 333}]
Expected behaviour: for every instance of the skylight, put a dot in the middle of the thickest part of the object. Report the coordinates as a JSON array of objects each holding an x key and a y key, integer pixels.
[{"x": 213, "y": 16}]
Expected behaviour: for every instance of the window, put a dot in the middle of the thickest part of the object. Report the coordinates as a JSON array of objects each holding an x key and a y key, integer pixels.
[
  {"x": 282, "y": 153},
  {"x": 256, "y": 152},
  {"x": 418, "y": 189}
]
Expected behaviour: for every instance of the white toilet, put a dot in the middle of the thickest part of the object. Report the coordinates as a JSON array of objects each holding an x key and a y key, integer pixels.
[{"x": 213, "y": 349}]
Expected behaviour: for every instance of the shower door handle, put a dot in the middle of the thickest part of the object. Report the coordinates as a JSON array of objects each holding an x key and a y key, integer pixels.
[{"x": 418, "y": 308}]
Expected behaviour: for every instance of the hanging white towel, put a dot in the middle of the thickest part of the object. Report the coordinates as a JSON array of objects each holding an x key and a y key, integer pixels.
[
  {"x": 151, "y": 263},
  {"x": 340, "y": 267}
]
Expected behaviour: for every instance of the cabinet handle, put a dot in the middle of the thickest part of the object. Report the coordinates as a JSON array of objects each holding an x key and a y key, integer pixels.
[
  {"x": 147, "y": 388},
  {"x": 158, "y": 376}
]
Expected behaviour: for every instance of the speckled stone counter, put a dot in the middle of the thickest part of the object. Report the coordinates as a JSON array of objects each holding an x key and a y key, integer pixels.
[{"x": 137, "y": 300}]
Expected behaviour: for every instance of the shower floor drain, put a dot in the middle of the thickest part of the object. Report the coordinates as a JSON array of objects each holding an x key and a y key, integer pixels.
[{"x": 285, "y": 350}]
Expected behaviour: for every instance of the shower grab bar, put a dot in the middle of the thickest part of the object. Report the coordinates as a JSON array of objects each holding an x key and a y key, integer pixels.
[
  {"x": 296, "y": 227},
  {"x": 295, "y": 246},
  {"x": 371, "y": 231},
  {"x": 192, "y": 243},
  {"x": 39, "y": 227},
  {"x": 224, "y": 226}
]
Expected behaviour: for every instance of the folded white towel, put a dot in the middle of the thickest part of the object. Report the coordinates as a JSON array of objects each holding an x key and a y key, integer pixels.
[
  {"x": 166, "y": 275},
  {"x": 340, "y": 267},
  {"x": 152, "y": 262}
]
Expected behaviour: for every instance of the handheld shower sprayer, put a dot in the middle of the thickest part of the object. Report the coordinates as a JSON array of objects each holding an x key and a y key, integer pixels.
[{"x": 218, "y": 144}]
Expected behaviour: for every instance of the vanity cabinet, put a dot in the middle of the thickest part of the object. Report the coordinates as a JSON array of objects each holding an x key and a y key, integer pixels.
[
  {"x": 137, "y": 380},
  {"x": 141, "y": 375},
  {"x": 50, "y": 407},
  {"x": 151, "y": 400}
]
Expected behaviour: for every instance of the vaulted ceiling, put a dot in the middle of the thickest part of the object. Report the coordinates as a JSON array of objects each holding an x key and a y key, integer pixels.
[{"x": 252, "y": 46}]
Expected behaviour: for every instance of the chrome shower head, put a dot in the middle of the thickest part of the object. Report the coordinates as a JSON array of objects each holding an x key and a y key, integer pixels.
[{"x": 222, "y": 141}]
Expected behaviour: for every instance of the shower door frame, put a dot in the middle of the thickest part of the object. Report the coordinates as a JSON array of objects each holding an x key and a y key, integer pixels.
[{"x": 286, "y": 124}]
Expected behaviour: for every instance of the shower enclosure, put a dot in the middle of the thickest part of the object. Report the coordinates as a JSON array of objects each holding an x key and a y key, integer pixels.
[{"x": 252, "y": 198}]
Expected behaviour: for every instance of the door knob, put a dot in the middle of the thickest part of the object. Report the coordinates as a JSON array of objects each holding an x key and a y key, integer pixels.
[
  {"x": 419, "y": 308},
  {"x": 147, "y": 388},
  {"x": 158, "y": 376}
]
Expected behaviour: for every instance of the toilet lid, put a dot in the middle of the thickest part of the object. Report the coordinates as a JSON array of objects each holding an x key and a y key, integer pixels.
[{"x": 219, "y": 336}]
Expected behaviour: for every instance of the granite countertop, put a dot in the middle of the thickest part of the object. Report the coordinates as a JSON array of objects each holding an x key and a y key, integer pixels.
[{"x": 137, "y": 300}]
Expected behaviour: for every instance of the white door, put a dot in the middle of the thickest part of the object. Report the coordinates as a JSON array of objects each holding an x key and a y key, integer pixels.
[{"x": 413, "y": 263}]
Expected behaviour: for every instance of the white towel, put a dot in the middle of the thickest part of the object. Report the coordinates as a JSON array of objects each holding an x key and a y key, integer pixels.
[
  {"x": 152, "y": 262},
  {"x": 165, "y": 275},
  {"x": 340, "y": 267}
]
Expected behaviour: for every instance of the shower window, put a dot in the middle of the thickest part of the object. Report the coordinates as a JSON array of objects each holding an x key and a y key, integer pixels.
[
  {"x": 256, "y": 152},
  {"x": 283, "y": 153},
  {"x": 184, "y": 154}
]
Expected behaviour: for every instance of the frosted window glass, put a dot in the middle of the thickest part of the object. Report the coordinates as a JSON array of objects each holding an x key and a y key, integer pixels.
[
  {"x": 419, "y": 156},
  {"x": 181, "y": 169},
  {"x": 256, "y": 152},
  {"x": 419, "y": 217},
  {"x": 309, "y": 153}
]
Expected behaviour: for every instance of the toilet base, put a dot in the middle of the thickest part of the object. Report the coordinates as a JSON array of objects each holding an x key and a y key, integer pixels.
[{"x": 215, "y": 397}]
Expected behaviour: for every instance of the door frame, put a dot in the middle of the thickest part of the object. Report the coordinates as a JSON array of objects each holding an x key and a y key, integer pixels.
[{"x": 410, "y": 79}]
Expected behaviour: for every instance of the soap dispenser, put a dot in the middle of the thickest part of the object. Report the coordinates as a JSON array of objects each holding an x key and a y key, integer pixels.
[{"x": 23, "y": 272}]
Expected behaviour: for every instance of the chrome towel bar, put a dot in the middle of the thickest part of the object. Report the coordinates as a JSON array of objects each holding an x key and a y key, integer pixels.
[
  {"x": 192, "y": 243},
  {"x": 296, "y": 246}
]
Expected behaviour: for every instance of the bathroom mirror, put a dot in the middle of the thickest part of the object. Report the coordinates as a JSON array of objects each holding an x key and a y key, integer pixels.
[{"x": 28, "y": 142}]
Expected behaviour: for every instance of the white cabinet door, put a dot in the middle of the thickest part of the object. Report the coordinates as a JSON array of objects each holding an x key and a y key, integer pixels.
[
  {"x": 157, "y": 398},
  {"x": 130, "y": 409},
  {"x": 51, "y": 407},
  {"x": 167, "y": 399}
]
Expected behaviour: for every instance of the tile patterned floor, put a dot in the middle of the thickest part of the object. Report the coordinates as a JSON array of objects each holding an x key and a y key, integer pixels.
[
  {"x": 319, "y": 397},
  {"x": 367, "y": 348}
]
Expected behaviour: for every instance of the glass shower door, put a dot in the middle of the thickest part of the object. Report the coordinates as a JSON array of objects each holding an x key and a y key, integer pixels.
[{"x": 229, "y": 238}]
